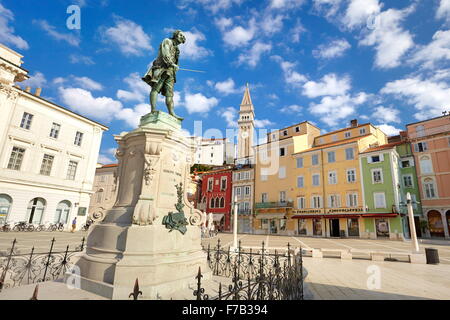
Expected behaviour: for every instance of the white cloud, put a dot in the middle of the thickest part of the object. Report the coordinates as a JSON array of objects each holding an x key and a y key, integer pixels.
[
  {"x": 37, "y": 80},
  {"x": 252, "y": 57},
  {"x": 272, "y": 24},
  {"x": 239, "y": 36},
  {"x": 191, "y": 49},
  {"x": 82, "y": 101},
  {"x": 430, "y": 98},
  {"x": 223, "y": 23},
  {"x": 329, "y": 8},
  {"x": 387, "y": 115},
  {"x": 436, "y": 51},
  {"x": 128, "y": 36},
  {"x": 132, "y": 116},
  {"x": 263, "y": 123},
  {"x": 286, "y": 4},
  {"x": 331, "y": 110},
  {"x": 443, "y": 11},
  {"x": 138, "y": 89},
  {"x": 199, "y": 103},
  {"x": 358, "y": 11},
  {"x": 7, "y": 32},
  {"x": 388, "y": 129},
  {"x": 83, "y": 82},
  {"x": 391, "y": 42},
  {"x": 70, "y": 38},
  {"x": 104, "y": 159},
  {"x": 291, "y": 77},
  {"x": 329, "y": 85},
  {"x": 229, "y": 114},
  {"x": 334, "y": 49},
  {"x": 78, "y": 58},
  {"x": 296, "y": 31},
  {"x": 227, "y": 87},
  {"x": 294, "y": 108},
  {"x": 211, "y": 5}
]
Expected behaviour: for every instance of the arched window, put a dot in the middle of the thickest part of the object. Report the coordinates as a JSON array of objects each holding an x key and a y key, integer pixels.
[
  {"x": 63, "y": 212},
  {"x": 35, "y": 212},
  {"x": 211, "y": 205},
  {"x": 204, "y": 200},
  {"x": 426, "y": 165},
  {"x": 99, "y": 195},
  {"x": 5, "y": 207},
  {"x": 435, "y": 224},
  {"x": 217, "y": 203},
  {"x": 222, "y": 202},
  {"x": 429, "y": 188}
]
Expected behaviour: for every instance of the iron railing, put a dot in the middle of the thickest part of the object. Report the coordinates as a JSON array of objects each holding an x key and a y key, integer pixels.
[
  {"x": 18, "y": 269},
  {"x": 259, "y": 275}
]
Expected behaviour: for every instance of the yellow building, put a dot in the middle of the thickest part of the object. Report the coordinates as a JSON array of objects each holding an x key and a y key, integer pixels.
[{"x": 319, "y": 178}]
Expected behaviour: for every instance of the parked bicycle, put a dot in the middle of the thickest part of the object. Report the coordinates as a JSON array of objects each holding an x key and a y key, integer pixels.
[
  {"x": 56, "y": 226},
  {"x": 40, "y": 228},
  {"x": 5, "y": 228},
  {"x": 23, "y": 226},
  {"x": 87, "y": 225}
]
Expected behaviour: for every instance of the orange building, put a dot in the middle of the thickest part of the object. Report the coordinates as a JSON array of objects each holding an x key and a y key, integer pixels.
[{"x": 430, "y": 141}]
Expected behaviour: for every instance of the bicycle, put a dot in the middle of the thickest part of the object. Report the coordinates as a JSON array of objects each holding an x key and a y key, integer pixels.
[
  {"x": 6, "y": 227},
  {"x": 23, "y": 226},
  {"x": 40, "y": 228},
  {"x": 56, "y": 226},
  {"x": 87, "y": 225}
]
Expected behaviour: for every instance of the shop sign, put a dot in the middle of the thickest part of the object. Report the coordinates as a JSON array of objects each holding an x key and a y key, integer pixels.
[
  {"x": 345, "y": 210},
  {"x": 308, "y": 211}
]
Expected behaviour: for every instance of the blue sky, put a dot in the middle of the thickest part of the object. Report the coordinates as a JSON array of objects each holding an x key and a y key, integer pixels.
[{"x": 326, "y": 61}]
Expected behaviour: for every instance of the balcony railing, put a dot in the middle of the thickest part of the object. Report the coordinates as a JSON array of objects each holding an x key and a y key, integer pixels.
[
  {"x": 429, "y": 131},
  {"x": 244, "y": 211},
  {"x": 285, "y": 204}
]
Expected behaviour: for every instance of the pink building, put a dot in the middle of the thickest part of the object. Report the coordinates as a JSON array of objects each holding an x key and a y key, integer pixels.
[{"x": 430, "y": 141}]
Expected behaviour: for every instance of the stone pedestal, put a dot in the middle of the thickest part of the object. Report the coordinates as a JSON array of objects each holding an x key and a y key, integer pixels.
[{"x": 132, "y": 242}]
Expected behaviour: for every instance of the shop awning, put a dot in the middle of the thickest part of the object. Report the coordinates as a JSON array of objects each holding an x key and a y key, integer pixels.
[
  {"x": 379, "y": 215},
  {"x": 270, "y": 216},
  {"x": 217, "y": 217}
]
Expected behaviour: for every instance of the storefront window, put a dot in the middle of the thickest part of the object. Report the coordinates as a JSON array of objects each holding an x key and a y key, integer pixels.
[
  {"x": 353, "y": 228},
  {"x": 382, "y": 226},
  {"x": 5, "y": 205},
  {"x": 317, "y": 227},
  {"x": 435, "y": 223},
  {"x": 302, "y": 227},
  {"x": 283, "y": 224}
]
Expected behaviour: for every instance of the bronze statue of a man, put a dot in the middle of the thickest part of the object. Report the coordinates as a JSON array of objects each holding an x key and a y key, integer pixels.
[{"x": 163, "y": 73}]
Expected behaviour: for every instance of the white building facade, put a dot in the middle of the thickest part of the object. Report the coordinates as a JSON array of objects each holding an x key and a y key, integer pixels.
[
  {"x": 213, "y": 152},
  {"x": 48, "y": 154},
  {"x": 105, "y": 191}
]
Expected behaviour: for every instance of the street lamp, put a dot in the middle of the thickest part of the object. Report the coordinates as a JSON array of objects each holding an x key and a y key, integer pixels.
[{"x": 412, "y": 225}]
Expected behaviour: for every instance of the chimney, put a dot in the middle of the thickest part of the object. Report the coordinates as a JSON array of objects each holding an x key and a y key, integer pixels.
[
  {"x": 354, "y": 123},
  {"x": 28, "y": 89},
  {"x": 38, "y": 92}
]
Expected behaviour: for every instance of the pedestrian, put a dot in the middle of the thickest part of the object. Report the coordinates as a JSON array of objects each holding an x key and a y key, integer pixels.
[{"x": 74, "y": 225}]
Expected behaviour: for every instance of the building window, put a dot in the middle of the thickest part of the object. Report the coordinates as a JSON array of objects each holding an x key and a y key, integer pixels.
[
  {"x": 297, "y": 129},
  {"x": 238, "y": 191},
  {"x": 285, "y": 133},
  {"x": 420, "y": 131},
  {"x": 332, "y": 177},
  {"x": 380, "y": 200},
  {"x": 348, "y": 134},
  {"x": 54, "y": 132},
  {"x": 335, "y": 137},
  {"x": 349, "y": 155},
  {"x": 72, "y": 170},
  {"x": 352, "y": 200},
  {"x": 408, "y": 181},
  {"x": 426, "y": 165},
  {"x": 377, "y": 176},
  {"x": 316, "y": 202},
  {"x": 222, "y": 202},
  {"x": 210, "y": 184},
  {"x": 282, "y": 152},
  {"x": 223, "y": 183},
  {"x": 282, "y": 173},
  {"x": 301, "y": 203},
  {"x": 316, "y": 179},
  {"x": 300, "y": 182},
  {"x": 430, "y": 189},
  {"x": 16, "y": 158},
  {"x": 263, "y": 197},
  {"x": 211, "y": 203},
  {"x": 406, "y": 164},
  {"x": 320, "y": 140},
  {"x": 331, "y": 157},
  {"x": 78, "y": 138},
  {"x": 315, "y": 159},
  {"x": 351, "y": 175},
  {"x": 47, "y": 163},
  {"x": 5, "y": 206},
  {"x": 374, "y": 159},
  {"x": 334, "y": 201},
  {"x": 362, "y": 131},
  {"x": 421, "y": 147},
  {"x": 282, "y": 196},
  {"x": 263, "y": 174},
  {"x": 26, "y": 121},
  {"x": 247, "y": 190},
  {"x": 299, "y": 162},
  {"x": 63, "y": 212},
  {"x": 35, "y": 210}
]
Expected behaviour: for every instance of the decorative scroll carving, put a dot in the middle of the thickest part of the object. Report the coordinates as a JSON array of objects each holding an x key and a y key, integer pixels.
[{"x": 149, "y": 169}]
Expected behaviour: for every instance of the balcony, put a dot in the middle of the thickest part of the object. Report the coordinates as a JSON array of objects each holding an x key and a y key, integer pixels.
[{"x": 267, "y": 205}]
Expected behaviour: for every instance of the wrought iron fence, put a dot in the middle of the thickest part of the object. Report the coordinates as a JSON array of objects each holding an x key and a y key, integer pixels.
[
  {"x": 259, "y": 275},
  {"x": 18, "y": 269}
]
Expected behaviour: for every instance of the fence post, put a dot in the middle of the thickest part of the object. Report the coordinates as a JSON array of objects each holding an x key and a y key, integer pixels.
[
  {"x": 82, "y": 243},
  {"x": 200, "y": 290},
  {"x": 2, "y": 278},
  {"x": 29, "y": 265},
  {"x": 48, "y": 259}
]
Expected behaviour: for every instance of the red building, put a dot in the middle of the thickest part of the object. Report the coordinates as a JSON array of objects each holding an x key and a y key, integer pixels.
[{"x": 216, "y": 196}]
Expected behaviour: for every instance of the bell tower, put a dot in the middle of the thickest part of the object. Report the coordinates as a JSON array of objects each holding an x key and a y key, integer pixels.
[{"x": 246, "y": 123}]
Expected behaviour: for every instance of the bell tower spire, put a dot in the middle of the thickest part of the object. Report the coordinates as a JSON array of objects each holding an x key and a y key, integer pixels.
[{"x": 246, "y": 125}]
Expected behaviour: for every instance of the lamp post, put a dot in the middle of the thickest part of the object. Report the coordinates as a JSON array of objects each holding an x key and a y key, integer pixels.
[
  {"x": 412, "y": 225},
  {"x": 235, "y": 213}
]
